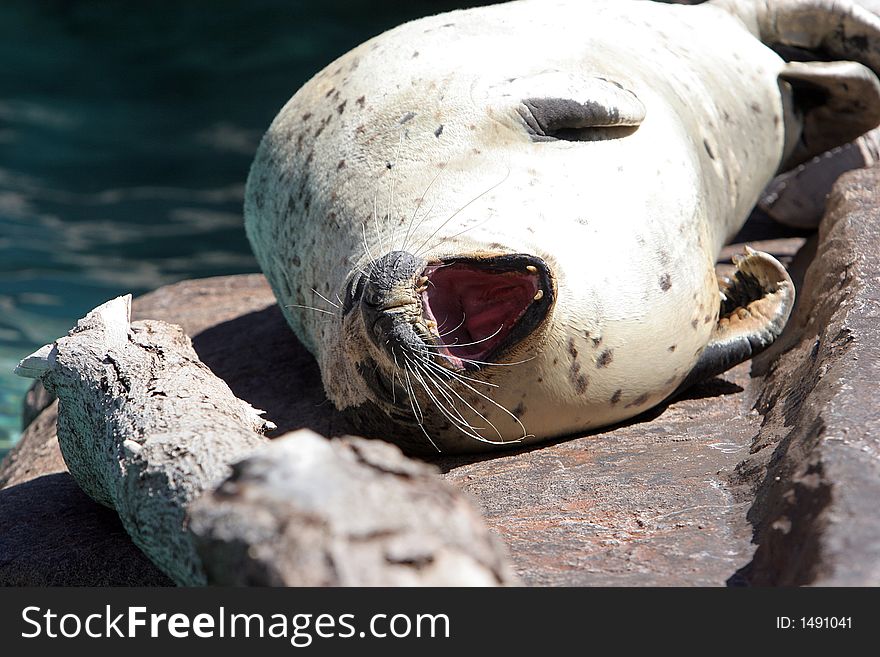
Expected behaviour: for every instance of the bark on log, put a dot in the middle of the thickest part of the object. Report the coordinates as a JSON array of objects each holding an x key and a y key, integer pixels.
[
  {"x": 147, "y": 429},
  {"x": 144, "y": 426},
  {"x": 308, "y": 511}
]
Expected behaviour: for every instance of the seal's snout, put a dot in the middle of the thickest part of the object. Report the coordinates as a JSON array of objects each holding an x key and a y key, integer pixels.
[
  {"x": 388, "y": 300},
  {"x": 479, "y": 308}
]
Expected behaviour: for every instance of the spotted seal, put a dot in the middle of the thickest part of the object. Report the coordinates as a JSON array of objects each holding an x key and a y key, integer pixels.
[{"x": 499, "y": 225}]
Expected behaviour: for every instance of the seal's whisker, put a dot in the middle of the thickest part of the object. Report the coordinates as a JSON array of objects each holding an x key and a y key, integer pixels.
[
  {"x": 416, "y": 211},
  {"x": 414, "y": 404},
  {"x": 458, "y": 234},
  {"x": 394, "y": 377},
  {"x": 335, "y": 305},
  {"x": 459, "y": 420},
  {"x": 460, "y": 324},
  {"x": 483, "y": 362},
  {"x": 417, "y": 411},
  {"x": 495, "y": 403},
  {"x": 462, "y": 425},
  {"x": 366, "y": 247},
  {"x": 317, "y": 310},
  {"x": 464, "y": 344},
  {"x": 461, "y": 209},
  {"x": 480, "y": 415},
  {"x": 428, "y": 361}
]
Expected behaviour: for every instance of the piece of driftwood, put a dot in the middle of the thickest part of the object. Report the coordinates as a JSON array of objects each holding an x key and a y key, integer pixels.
[
  {"x": 308, "y": 511},
  {"x": 147, "y": 429},
  {"x": 144, "y": 426}
]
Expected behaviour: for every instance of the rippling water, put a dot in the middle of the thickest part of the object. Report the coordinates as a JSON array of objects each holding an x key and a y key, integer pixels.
[{"x": 126, "y": 132}]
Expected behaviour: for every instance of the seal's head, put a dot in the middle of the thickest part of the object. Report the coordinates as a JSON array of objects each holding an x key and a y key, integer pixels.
[{"x": 428, "y": 324}]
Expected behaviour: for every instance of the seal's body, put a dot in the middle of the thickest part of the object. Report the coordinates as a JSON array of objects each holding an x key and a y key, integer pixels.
[{"x": 514, "y": 213}]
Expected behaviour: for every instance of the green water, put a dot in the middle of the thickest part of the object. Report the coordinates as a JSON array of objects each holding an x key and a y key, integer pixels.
[{"x": 126, "y": 132}]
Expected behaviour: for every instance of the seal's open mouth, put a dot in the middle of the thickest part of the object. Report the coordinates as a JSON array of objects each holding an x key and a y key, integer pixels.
[{"x": 483, "y": 306}]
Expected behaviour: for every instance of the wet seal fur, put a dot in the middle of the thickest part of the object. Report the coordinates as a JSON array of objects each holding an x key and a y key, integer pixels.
[{"x": 491, "y": 228}]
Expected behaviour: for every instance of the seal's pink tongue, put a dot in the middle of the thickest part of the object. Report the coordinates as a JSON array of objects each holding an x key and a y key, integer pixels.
[{"x": 476, "y": 308}]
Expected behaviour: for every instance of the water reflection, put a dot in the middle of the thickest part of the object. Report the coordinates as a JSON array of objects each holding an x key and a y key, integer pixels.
[{"x": 126, "y": 132}]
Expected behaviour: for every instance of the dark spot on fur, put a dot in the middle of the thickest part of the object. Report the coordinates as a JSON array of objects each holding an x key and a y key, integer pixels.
[
  {"x": 616, "y": 396},
  {"x": 580, "y": 384},
  {"x": 755, "y": 108},
  {"x": 439, "y": 130},
  {"x": 597, "y": 341},
  {"x": 540, "y": 380},
  {"x": 707, "y": 319},
  {"x": 360, "y": 101},
  {"x": 519, "y": 410},
  {"x": 296, "y": 261},
  {"x": 406, "y": 117},
  {"x": 330, "y": 93},
  {"x": 306, "y": 116},
  {"x": 638, "y": 401},
  {"x": 672, "y": 348},
  {"x": 605, "y": 358},
  {"x": 341, "y": 107},
  {"x": 708, "y": 149},
  {"x": 341, "y": 165},
  {"x": 665, "y": 282},
  {"x": 415, "y": 54},
  {"x": 694, "y": 324},
  {"x": 572, "y": 349}
]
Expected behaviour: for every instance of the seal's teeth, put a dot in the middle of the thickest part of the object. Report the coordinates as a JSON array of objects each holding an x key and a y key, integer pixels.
[
  {"x": 539, "y": 295},
  {"x": 421, "y": 282},
  {"x": 532, "y": 269}
]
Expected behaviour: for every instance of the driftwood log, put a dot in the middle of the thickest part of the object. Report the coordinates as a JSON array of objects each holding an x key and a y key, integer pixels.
[
  {"x": 308, "y": 511},
  {"x": 147, "y": 429},
  {"x": 144, "y": 426}
]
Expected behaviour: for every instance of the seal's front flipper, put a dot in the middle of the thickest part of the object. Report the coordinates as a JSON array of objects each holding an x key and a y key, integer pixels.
[{"x": 755, "y": 305}]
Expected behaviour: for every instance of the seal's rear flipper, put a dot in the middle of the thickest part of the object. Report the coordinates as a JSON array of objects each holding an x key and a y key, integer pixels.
[
  {"x": 755, "y": 305},
  {"x": 832, "y": 94},
  {"x": 797, "y": 198},
  {"x": 836, "y": 102}
]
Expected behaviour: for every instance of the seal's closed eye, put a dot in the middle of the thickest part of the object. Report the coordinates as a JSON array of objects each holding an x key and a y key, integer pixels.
[{"x": 560, "y": 106}]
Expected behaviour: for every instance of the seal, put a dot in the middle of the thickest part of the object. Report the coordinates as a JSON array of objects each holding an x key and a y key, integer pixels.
[{"x": 499, "y": 226}]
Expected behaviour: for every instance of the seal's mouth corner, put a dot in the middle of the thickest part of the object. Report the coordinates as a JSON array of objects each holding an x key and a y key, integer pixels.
[{"x": 478, "y": 308}]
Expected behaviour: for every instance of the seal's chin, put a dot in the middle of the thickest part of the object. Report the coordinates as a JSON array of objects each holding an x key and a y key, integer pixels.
[{"x": 481, "y": 307}]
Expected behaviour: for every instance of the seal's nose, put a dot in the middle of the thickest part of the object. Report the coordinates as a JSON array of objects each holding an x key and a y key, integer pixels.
[
  {"x": 391, "y": 281},
  {"x": 389, "y": 303}
]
